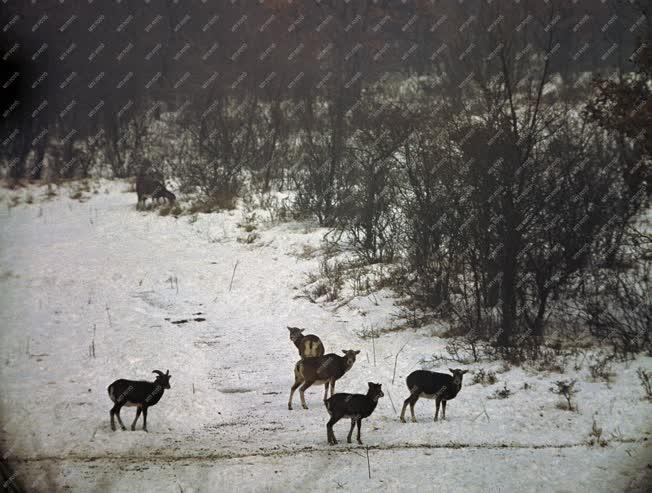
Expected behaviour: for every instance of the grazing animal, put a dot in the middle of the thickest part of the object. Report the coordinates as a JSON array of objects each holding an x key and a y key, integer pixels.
[
  {"x": 432, "y": 385},
  {"x": 309, "y": 346},
  {"x": 354, "y": 406},
  {"x": 150, "y": 188},
  {"x": 139, "y": 393},
  {"x": 322, "y": 369}
]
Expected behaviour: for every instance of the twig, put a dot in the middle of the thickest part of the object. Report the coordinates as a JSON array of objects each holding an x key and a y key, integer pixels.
[
  {"x": 108, "y": 314},
  {"x": 484, "y": 411},
  {"x": 91, "y": 350},
  {"x": 233, "y": 275},
  {"x": 390, "y": 400},
  {"x": 396, "y": 361},
  {"x": 368, "y": 464},
  {"x": 343, "y": 303},
  {"x": 373, "y": 343}
]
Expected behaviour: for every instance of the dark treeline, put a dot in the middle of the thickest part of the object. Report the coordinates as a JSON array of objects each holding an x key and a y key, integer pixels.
[
  {"x": 462, "y": 140},
  {"x": 89, "y": 67}
]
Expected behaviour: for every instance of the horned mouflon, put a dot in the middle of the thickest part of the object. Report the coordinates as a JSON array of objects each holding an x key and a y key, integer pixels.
[
  {"x": 353, "y": 406},
  {"x": 150, "y": 188},
  {"x": 138, "y": 393},
  {"x": 431, "y": 385},
  {"x": 321, "y": 370},
  {"x": 309, "y": 346}
]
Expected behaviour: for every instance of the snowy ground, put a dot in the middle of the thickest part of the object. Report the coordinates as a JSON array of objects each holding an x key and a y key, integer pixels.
[{"x": 76, "y": 274}]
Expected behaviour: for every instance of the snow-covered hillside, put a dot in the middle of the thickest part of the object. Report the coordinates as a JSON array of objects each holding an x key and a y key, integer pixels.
[{"x": 90, "y": 292}]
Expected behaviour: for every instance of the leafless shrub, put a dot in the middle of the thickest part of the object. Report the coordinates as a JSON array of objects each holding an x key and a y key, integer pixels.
[
  {"x": 595, "y": 436},
  {"x": 216, "y": 202},
  {"x": 646, "y": 382},
  {"x": 249, "y": 238},
  {"x": 484, "y": 378},
  {"x": 600, "y": 367},
  {"x": 76, "y": 194},
  {"x": 248, "y": 223},
  {"x": 503, "y": 393},
  {"x": 328, "y": 281},
  {"x": 170, "y": 209},
  {"x": 567, "y": 390},
  {"x": 618, "y": 310},
  {"x": 550, "y": 360}
]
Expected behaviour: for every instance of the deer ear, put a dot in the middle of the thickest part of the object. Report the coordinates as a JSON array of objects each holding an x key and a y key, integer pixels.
[
  {"x": 371, "y": 384},
  {"x": 344, "y": 351},
  {"x": 464, "y": 371},
  {"x": 451, "y": 370},
  {"x": 301, "y": 330},
  {"x": 357, "y": 352}
]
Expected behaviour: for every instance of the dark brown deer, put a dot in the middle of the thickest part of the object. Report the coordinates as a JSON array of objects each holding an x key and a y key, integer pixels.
[
  {"x": 309, "y": 346},
  {"x": 321, "y": 370},
  {"x": 150, "y": 188},
  {"x": 353, "y": 406},
  {"x": 432, "y": 385},
  {"x": 139, "y": 394}
]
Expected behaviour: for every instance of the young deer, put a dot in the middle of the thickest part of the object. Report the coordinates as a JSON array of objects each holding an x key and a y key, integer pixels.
[
  {"x": 309, "y": 346},
  {"x": 140, "y": 394},
  {"x": 354, "y": 406},
  {"x": 320, "y": 370},
  {"x": 148, "y": 187},
  {"x": 432, "y": 385}
]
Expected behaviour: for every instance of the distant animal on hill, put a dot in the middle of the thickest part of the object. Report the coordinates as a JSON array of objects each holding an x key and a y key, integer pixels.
[
  {"x": 309, "y": 346},
  {"x": 431, "y": 385},
  {"x": 353, "y": 406},
  {"x": 138, "y": 393},
  {"x": 150, "y": 188},
  {"x": 321, "y": 370}
]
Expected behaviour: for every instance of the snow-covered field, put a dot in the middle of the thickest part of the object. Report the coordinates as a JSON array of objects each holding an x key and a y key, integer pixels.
[{"x": 78, "y": 277}]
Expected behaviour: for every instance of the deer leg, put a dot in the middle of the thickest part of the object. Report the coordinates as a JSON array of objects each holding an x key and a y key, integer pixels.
[
  {"x": 443, "y": 409},
  {"x": 144, "y": 418},
  {"x": 332, "y": 387},
  {"x": 133, "y": 425},
  {"x": 412, "y": 403},
  {"x": 412, "y": 400},
  {"x": 405, "y": 405},
  {"x": 294, "y": 387},
  {"x": 304, "y": 387},
  {"x": 359, "y": 423},
  {"x": 329, "y": 430},
  {"x": 326, "y": 391},
  {"x": 348, "y": 438},
  {"x": 437, "y": 403},
  {"x": 111, "y": 413},
  {"x": 116, "y": 412}
]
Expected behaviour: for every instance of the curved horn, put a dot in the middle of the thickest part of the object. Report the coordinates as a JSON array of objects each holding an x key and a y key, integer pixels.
[{"x": 158, "y": 372}]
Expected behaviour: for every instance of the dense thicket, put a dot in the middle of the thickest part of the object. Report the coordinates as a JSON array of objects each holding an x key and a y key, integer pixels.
[{"x": 463, "y": 141}]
